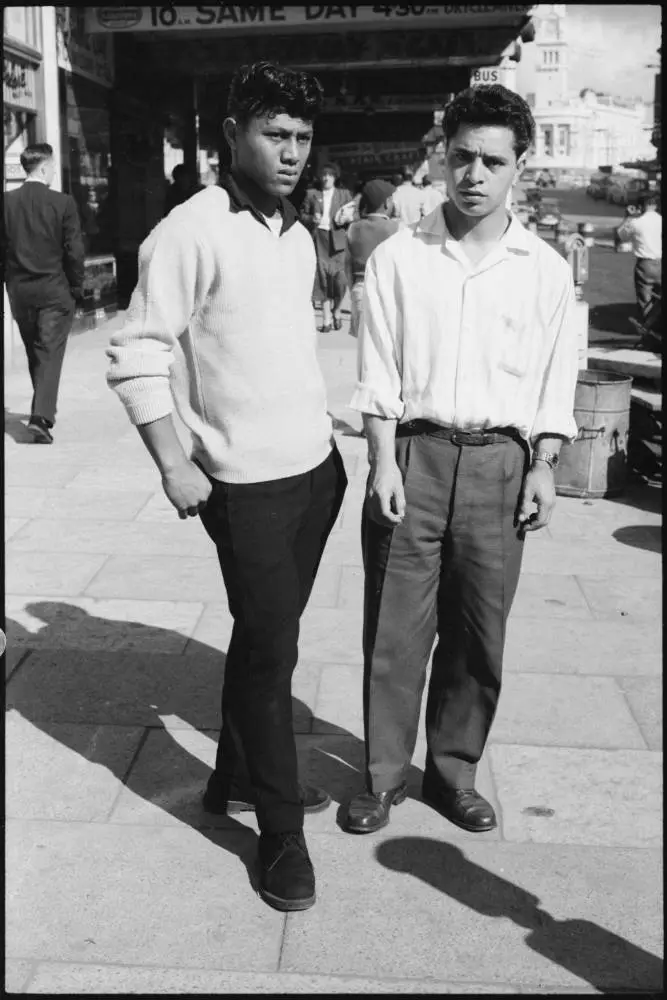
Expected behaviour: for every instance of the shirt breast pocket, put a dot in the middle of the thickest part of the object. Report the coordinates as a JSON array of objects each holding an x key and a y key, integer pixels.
[{"x": 514, "y": 345}]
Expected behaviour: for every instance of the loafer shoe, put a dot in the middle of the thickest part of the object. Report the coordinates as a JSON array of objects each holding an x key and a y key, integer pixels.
[
  {"x": 369, "y": 811},
  {"x": 464, "y": 807},
  {"x": 218, "y": 800},
  {"x": 287, "y": 879}
]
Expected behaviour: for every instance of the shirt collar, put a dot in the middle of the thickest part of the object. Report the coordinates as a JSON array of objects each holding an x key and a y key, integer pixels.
[
  {"x": 515, "y": 240},
  {"x": 240, "y": 200}
]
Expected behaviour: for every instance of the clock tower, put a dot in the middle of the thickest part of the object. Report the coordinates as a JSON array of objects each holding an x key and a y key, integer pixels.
[{"x": 551, "y": 54}]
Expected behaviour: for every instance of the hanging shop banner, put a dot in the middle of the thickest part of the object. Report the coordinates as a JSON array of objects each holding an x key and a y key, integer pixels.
[
  {"x": 18, "y": 83},
  {"x": 247, "y": 18},
  {"x": 80, "y": 51}
]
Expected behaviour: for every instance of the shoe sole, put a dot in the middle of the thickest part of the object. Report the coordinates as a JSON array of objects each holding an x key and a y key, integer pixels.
[
  {"x": 396, "y": 801},
  {"x": 286, "y": 905},
  {"x": 463, "y": 826},
  {"x": 234, "y": 806}
]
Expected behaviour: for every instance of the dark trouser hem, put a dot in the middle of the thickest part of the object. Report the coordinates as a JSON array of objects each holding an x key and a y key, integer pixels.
[
  {"x": 270, "y": 539},
  {"x": 450, "y": 571}
]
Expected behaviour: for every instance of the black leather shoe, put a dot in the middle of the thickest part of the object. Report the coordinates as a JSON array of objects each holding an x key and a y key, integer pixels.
[
  {"x": 218, "y": 800},
  {"x": 40, "y": 430},
  {"x": 369, "y": 811},
  {"x": 287, "y": 879},
  {"x": 464, "y": 807}
]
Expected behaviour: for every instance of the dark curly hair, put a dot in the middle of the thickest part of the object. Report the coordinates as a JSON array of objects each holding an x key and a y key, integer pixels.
[
  {"x": 491, "y": 105},
  {"x": 264, "y": 88}
]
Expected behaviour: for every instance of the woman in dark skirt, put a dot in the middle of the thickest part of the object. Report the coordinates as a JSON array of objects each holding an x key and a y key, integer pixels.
[{"x": 319, "y": 215}]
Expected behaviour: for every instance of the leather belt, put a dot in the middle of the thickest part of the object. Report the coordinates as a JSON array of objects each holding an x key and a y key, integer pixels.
[{"x": 494, "y": 435}]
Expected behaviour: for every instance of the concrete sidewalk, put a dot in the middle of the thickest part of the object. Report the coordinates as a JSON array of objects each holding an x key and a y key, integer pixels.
[{"x": 118, "y": 882}]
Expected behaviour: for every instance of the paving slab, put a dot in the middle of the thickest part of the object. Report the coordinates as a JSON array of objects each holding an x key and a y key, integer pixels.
[
  {"x": 545, "y": 915},
  {"x": 332, "y": 635},
  {"x": 103, "y": 979},
  {"x": 13, "y": 657},
  {"x": 565, "y": 710},
  {"x": 61, "y": 574},
  {"x": 553, "y": 645},
  {"x": 73, "y": 505},
  {"x": 28, "y": 474},
  {"x": 13, "y": 525},
  {"x": 639, "y": 597},
  {"x": 644, "y": 695},
  {"x": 563, "y": 795},
  {"x": 570, "y": 558},
  {"x": 158, "y": 578},
  {"x": 126, "y": 538},
  {"x": 144, "y": 478},
  {"x": 17, "y": 975},
  {"x": 65, "y": 772},
  {"x": 127, "y": 689},
  {"x": 40, "y": 621},
  {"x": 214, "y": 628},
  {"x": 549, "y": 595},
  {"x": 106, "y": 894}
]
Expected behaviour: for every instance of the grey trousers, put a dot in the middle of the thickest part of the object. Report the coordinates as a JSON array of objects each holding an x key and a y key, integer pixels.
[{"x": 450, "y": 570}]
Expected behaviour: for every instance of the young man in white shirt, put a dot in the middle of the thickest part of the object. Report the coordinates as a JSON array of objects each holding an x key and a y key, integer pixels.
[
  {"x": 221, "y": 326},
  {"x": 645, "y": 235},
  {"x": 467, "y": 366},
  {"x": 408, "y": 199}
]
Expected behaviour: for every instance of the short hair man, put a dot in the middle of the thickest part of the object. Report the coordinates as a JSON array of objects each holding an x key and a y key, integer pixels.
[
  {"x": 467, "y": 359},
  {"x": 44, "y": 274},
  {"x": 645, "y": 235},
  {"x": 408, "y": 199},
  {"x": 222, "y": 319}
]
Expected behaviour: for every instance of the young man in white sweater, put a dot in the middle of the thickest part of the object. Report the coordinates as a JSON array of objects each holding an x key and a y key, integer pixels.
[{"x": 221, "y": 326}]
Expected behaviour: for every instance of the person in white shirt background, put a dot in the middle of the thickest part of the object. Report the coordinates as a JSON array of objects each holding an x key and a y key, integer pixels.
[
  {"x": 645, "y": 235},
  {"x": 408, "y": 199},
  {"x": 467, "y": 368},
  {"x": 431, "y": 196}
]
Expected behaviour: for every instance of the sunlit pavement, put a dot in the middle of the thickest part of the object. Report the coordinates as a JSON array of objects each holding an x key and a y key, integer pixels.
[{"x": 118, "y": 882}]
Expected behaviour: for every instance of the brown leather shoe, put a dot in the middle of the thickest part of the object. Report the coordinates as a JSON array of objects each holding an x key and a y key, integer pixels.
[
  {"x": 464, "y": 807},
  {"x": 369, "y": 811}
]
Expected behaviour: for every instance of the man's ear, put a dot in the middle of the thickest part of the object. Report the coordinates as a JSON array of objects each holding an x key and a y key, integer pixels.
[{"x": 229, "y": 128}]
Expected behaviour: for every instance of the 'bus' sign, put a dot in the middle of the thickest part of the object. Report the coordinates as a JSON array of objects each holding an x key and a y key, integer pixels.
[{"x": 485, "y": 76}]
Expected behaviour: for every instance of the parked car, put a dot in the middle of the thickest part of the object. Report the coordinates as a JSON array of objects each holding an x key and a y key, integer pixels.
[
  {"x": 522, "y": 211},
  {"x": 597, "y": 186},
  {"x": 548, "y": 212},
  {"x": 627, "y": 191}
]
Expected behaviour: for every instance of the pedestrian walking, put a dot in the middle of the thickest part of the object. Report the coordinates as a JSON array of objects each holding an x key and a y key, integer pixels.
[
  {"x": 644, "y": 232},
  {"x": 221, "y": 326},
  {"x": 374, "y": 226},
  {"x": 467, "y": 370},
  {"x": 408, "y": 199},
  {"x": 44, "y": 275},
  {"x": 184, "y": 184},
  {"x": 319, "y": 213}
]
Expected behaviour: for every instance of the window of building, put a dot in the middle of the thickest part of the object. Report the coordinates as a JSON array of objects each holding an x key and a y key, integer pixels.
[
  {"x": 548, "y": 139},
  {"x": 564, "y": 140}
]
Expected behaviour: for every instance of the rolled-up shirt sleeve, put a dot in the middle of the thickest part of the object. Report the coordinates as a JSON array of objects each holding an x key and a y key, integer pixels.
[
  {"x": 555, "y": 411},
  {"x": 379, "y": 391},
  {"x": 172, "y": 276}
]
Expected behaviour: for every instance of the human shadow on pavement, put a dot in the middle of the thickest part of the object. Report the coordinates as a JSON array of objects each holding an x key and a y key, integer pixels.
[
  {"x": 640, "y": 536},
  {"x": 598, "y": 956},
  {"x": 641, "y": 496},
  {"x": 174, "y": 695},
  {"x": 15, "y": 426}
]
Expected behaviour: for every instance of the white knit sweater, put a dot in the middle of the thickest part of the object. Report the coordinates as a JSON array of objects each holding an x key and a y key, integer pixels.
[{"x": 221, "y": 325}]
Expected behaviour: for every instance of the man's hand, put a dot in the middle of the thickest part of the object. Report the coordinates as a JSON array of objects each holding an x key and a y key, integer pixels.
[
  {"x": 386, "y": 497},
  {"x": 187, "y": 488},
  {"x": 538, "y": 489}
]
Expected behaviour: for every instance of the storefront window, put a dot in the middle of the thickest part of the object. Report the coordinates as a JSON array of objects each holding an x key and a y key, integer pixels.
[
  {"x": 548, "y": 139},
  {"x": 564, "y": 145}
]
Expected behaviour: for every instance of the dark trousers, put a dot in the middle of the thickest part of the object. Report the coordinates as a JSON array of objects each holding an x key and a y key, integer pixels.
[
  {"x": 270, "y": 539},
  {"x": 449, "y": 570},
  {"x": 44, "y": 331},
  {"x": 648, "y": 284}
]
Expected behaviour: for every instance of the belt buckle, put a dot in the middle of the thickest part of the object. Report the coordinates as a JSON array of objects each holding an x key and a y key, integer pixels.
[{"x": 466, "y": 437}]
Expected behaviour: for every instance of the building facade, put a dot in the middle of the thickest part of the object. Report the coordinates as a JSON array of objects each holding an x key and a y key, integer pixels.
[{"x": 577, "y": 132}]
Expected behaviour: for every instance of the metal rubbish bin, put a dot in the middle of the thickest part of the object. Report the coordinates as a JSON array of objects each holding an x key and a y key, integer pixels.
[{"x": 595, "y": 464}]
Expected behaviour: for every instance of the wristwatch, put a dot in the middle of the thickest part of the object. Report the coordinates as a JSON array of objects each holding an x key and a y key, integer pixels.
[{"x": 546, "y": 456}]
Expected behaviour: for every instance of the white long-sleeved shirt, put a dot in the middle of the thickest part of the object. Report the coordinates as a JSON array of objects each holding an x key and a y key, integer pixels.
[
  {"x": 471, "y": 346},
  {"x": 408, "y": 201},
  {"x": 645, "y": 234},
  {"x": 221, "y": 326}
]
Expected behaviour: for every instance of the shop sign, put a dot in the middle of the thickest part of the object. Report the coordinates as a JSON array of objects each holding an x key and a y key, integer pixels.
[
  {"x": 18, "y": 83},
  {"x": 246, "y": 17},
  {"x": 81, "y": 52}
]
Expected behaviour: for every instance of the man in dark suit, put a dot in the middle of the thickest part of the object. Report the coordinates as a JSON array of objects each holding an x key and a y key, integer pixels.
[
  {"x": 318, "y": 214},
  {"x": 44, "y": 271}
]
